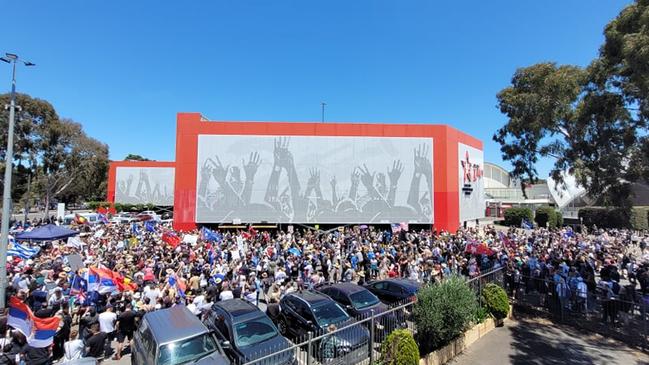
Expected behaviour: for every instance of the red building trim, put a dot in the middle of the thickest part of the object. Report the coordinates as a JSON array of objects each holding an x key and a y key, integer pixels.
[
  {"x": 112, "y": 173},
  {"x": 445, "y": 156}
]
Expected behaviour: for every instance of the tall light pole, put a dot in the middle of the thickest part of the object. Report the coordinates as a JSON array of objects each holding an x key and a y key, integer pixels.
[
  {"x": 323, "y": 104},
  {"x": 6, "y": 193}
]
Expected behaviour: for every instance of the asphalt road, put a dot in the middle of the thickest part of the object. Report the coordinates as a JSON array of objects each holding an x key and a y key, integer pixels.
[{"x": 538, "y": 341}]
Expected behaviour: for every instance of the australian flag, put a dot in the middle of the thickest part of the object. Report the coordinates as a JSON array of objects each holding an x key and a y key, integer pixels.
[
  {"x": 209, "y": 235},
  {"x": 149, "y": 226}
]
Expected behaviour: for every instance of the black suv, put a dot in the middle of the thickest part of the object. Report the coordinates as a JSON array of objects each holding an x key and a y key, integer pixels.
[
  {"x": 392, "y": 291},
  {"x": 246, "y": 333},
  {"x": 309, "y": 311},
  {"x": 360, "y": 303}
]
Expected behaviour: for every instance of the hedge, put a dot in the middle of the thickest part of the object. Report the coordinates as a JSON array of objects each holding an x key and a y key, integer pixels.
[
  {"x": 636, "y": 218},
  {"x": 399, "y": 348},
  {"x": 496, "y": 301},
  {"x": 546, "y": 217},
  {"x": 120, "y": 207},
  {"x": 443, "y": 312},
  {"x": 94, "y": 205},
  {"x": 514, "y": 216}
]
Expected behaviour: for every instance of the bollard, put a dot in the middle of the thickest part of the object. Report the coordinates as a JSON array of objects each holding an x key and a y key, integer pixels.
[
  {"x": 372, "y": 337},
  {"x": 309, "y": 348}
]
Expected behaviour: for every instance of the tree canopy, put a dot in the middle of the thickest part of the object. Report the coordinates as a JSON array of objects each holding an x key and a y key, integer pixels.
[
  {"x": 591, "y": 120},
  {"x": 133, "y": 157},
  {"x": 53, "y": 155}
]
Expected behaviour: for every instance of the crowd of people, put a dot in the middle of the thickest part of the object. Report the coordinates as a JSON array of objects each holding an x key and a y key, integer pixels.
[{"x": 205, "y": 266}]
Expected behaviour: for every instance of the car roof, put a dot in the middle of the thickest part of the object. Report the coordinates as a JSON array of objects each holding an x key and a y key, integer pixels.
[
  {"x": 404, "y": 282},
  {"x": 172, "y": 324},
  {"x": 347, "y": 288},
  {"x": 312, "y": 297},
  {"x": 239, "y": 310}
]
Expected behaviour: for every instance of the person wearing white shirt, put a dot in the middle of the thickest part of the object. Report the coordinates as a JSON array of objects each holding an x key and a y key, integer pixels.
[
  {"x": 73, "y": 348},
  {"x": 107, "y": 320},
  {"x": 226, "y": 294},
  {"x": 152, "y": 292}
]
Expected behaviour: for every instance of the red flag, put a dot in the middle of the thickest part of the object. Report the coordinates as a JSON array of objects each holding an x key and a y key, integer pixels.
[
  {"x": 478, "y": 249},
  {"x": 79, "y": 219},
  {"x": 171, "y": 239}
]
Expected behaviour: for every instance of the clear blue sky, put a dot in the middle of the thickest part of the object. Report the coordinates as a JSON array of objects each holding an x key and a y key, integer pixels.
[{"x": 125, "y": 68}]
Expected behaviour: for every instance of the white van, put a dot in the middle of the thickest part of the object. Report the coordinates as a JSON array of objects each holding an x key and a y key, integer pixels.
[{"x": 92, "y": 218}]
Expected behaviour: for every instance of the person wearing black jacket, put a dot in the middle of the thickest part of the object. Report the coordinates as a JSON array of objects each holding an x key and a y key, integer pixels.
[{"x": 17, "y": 346}]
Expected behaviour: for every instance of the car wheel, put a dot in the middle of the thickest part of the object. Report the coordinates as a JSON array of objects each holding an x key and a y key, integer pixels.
[{"x": 282, "y": 327}]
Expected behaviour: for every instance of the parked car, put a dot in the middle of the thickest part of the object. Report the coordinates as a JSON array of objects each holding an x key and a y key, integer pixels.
[
  {"x": 123, "y": 217},
  {"x": 310, "y": 311},
  {"x": 148, "y": 215},
  {"x": 360, "y": 303},
  {"x": 393, "y": 291},
  {"x": 246, "y": 333},
  {"x": 175, "y": 336}
]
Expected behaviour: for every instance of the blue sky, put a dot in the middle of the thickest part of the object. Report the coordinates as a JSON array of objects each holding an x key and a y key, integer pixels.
[{"x": 125, "y": 68}]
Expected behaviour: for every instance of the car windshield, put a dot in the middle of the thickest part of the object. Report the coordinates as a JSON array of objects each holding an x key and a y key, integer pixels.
[
  {"x": 188, "y": 350},
  {"x": 363, "y": 299},
  {"x": 329, "y": 313},
  {"x": 254, "y": 331}
]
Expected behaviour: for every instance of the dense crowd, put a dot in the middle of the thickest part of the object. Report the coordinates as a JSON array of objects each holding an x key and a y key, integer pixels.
[{"x": 205, "y": 266}]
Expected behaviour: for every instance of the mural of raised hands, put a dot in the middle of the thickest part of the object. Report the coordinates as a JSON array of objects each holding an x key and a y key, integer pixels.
[
  {"x": 395, "y": 172},
  {"x": 250, "y": 168},
  {"x": 314, "y": 178},
  {"x": 422, "y": 160},
  {"x": 367, "y": 178},
  {"x": 283, "y": 157},
  {"x": 219, "y": 172}
]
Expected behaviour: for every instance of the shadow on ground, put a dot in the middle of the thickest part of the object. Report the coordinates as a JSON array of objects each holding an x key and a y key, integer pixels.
[{"x": 538, "y": 341}]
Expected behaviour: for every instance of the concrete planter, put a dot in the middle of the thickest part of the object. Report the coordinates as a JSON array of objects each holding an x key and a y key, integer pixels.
[{"x": 448, "y": 352}]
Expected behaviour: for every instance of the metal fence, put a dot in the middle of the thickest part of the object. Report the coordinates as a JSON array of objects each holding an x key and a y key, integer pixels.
[
  {"x": 623, "y": 315},
  {"x": 355, "y": 342},
  {"x": 495, "y": 276}
]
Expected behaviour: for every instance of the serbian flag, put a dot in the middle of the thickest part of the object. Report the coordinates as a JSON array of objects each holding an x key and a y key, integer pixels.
[
  {"x": 20, "y": 316},
  {"x": 100, "y": 280},
  {"x": 44, "y": 331},
  {"x": 171, "y": 239}
]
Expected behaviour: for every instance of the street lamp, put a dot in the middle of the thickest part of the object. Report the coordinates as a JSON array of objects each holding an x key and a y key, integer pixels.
[{"x": 6, "y": 193}]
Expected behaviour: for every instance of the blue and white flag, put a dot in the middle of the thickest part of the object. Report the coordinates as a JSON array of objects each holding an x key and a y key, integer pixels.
[
  {"x": 18, "y": 250},
  {"x": 525, "y": 224},
  {"x": 149, "y": 226},
  {"x": 209, "y": 235},
  {"x": 135, "y": 229}
]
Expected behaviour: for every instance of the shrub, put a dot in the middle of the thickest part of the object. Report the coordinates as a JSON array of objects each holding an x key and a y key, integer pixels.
[
  {"x": 640, "y": 218},
  {"x": 443, "y": 312},
  {"x": 606, "y": 218},
  {"x": 480, "y": 315},
  {"x": 546, "y": 217},
  {"x": 514, "y": 216},
  {"x": 399, "y": 348},
  {"x": 495, "y": 300},
  {"x": 559, "y": 219}
]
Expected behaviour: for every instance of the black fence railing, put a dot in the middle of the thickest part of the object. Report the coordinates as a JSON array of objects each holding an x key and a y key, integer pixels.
[{"x": 621, "y": 314}]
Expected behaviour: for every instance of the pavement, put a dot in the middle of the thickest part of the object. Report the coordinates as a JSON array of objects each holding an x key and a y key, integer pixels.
[{"x": 539, "y": 341}]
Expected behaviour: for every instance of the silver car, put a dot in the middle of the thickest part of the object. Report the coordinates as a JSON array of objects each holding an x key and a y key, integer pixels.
[{"x": 175, "y": 336}]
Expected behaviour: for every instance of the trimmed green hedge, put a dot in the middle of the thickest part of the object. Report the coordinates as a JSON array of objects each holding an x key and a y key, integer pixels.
[
  {"x": 94, "y": 205},
  {"x": 637, "y": 218},
  {"x": 545, "y": 217},
  {"x": 133, "y": 207},
  {"x": 443, "y": 312},
  {"x": 514, "y": 216},
  {"x": 399, "y": 348},
  {"x": 495, "y": 300}
]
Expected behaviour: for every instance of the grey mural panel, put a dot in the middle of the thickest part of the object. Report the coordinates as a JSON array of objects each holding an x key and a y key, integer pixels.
[
  {"x": 145, "y": 185},
  {"x": 312, "y": 179},
  {"x": 472, "y": 198}
]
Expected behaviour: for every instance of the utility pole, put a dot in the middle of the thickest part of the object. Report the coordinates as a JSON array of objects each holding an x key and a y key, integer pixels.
[
  {"x": 323, "y": 104},
  {"x": 6, "y": 193}
]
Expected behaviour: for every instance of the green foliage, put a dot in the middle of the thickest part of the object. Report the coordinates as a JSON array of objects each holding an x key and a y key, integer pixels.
[
  {"x": 94, "y": 205},
  {"x": 559, "y": 219},
  {"x": 546, "y": 215},
  {"x": 399, "y": 348},
  {"x": 481, "y": 315},
  {"x": 591, "y": 121},
  {"x": 640, "y": 218},
  {"x": 496, "y": 300},
  {"x": 605, "y": 217},
  {"x": 133, "y": 157},
  {"x": 514, "y": 216},
  {"x": 443, "y": 312},
  {"x": 54, "y": 156}
]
